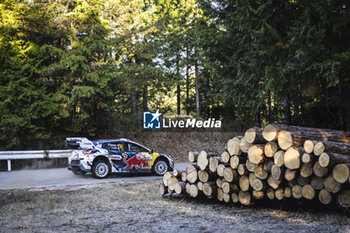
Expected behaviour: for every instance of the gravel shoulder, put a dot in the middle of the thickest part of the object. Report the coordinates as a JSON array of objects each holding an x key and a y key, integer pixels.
[{"x": 136, "y": 206}]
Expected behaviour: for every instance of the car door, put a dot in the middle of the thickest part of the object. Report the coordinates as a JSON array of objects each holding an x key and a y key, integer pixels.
[
  {"x": 136, "y": 161},
  {"x": 115, "y": 152}
]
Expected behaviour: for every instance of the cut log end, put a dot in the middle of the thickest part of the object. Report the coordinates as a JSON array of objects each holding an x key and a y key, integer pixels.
[
  {"x": 209, "y": 188},
  {"x": 270, "y": 193},
  {"x": 285, "y": 139},
  {"x": 279, "y": 194},
  {"x": 260, "y": 172},
  {"x": 317, "y": 182},
  {"x": 318, "y": 170},
  {"x": 341, "y": 173},
  {"x": 234, "y": 161},
  {"x": 203, "y": 176},
  {"x": 234, "y": 197},
  {"x": 244, "y": 183},
  {"x": 192, "y": 156},
  {"x": 323, "y": 160},
  {"x": 244, "y": 145},
  {"x": 244, "y": 198},
  {"x": 289, "y": 174},
  {"x": 344, "y": 198},
  {"x": 292, "y": 158},
  {"x": 192, "y": 174},
  {"x": 308, "y": 192},
  {"x": 233, "y": 146},
  {"x": 253, "y": 135},
  {"x": 270, "y": 149},
  {"x": 306, "y": 170},
  {"x": 319, "y": 148},
  {"x": 257, "y": 185},
  {"x": 276, "y": 172},
  {"x": 166, "y": 177},
  {"x": 225, "y": 156},
  {"x": 325, "y": 197},
  {"x": 308, "y": 146},
  {"x": 180, "y": 187},
  {"x": 278, "y": 158},
  {"x": 331, "y": 184},
  {"x": 220, "y": 170},
  {"x": 270, "y": 133},
  {"x": 256, "y": 154},
  {"x": 230, "y": 174},
  {"x": 296, "y": 191}
]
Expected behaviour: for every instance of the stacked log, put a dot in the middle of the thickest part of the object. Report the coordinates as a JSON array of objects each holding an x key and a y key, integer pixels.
[{"x": 278, "y": 162}]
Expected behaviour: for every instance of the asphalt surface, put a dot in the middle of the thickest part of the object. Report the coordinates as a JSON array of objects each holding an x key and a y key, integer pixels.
[{"x": 62, "y": 177}]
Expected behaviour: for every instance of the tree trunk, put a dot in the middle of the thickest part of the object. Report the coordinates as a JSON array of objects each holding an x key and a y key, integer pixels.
[
  {"x": 187, "y": 82},
  {"x": 178, "y": 99},
  {"x": 331, "y": 159},
  {"x": 335, "y": 147},
  {"x": 145, "y": 98},
  {"x": 286, "y": 107},
  {"x": 197, "y": 88},
  {"x": 300, "y": 134}
]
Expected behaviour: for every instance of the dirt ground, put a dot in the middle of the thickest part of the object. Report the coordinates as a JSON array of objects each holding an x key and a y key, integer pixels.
[{"x": 136, "y": 206}]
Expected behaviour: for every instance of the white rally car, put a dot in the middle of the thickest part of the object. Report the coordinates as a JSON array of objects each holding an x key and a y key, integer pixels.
[{"x": 102, "y": 157}]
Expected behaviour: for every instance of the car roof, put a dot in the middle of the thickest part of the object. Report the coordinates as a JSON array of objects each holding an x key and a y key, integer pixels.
[
  {"x": 112, "y": 139},
  {"x": 118, "y": 139}
]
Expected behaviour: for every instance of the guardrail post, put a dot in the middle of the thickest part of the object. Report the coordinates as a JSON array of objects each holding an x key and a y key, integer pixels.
[{"x": 8, "y": 165}]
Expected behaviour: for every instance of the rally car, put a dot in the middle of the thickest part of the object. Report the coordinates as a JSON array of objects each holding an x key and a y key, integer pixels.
[{"x": 103, "y": 157}]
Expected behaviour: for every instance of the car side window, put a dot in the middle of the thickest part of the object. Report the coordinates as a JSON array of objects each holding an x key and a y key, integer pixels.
[
  {"x": 115, "y": 146},
  {"x": 136, "y": 148}
]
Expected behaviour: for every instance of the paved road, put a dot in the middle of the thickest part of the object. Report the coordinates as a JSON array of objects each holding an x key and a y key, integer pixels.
[{"x": 62, "y": 177}]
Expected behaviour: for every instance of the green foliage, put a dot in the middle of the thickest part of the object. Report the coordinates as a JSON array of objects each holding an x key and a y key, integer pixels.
[{"x": 89, "y": 68}]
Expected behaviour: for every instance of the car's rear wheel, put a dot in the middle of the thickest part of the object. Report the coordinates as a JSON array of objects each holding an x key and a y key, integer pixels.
[
  {"x": 160, "y": 167},
  {"x": 100, "y": 169}
]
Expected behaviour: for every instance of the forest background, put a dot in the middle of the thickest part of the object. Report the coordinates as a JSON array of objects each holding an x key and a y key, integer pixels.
[{"x": 91, "y": 67}]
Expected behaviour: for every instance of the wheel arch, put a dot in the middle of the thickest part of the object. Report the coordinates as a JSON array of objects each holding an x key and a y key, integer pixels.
[{"x": 103, "y": 158}]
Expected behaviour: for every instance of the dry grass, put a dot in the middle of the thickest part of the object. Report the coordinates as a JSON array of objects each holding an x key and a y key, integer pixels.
[
  {"x": 178, "y": 144},
  {"x": 136, "y": 206}
]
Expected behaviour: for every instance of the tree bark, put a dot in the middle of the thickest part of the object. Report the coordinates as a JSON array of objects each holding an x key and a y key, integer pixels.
[
  {"x": 197, "y": 88},
  {"x": 286, "y": 107}
]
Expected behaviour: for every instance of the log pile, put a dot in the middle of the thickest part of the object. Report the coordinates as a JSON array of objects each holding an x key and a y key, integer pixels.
[{"x": 278, "y": 162}]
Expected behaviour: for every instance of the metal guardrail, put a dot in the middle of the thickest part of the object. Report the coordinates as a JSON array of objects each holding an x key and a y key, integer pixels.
[{"x": 32, "y": 154}]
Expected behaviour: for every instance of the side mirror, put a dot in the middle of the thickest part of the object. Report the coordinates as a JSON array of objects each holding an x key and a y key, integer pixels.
[{"x": 151, "y": 151}]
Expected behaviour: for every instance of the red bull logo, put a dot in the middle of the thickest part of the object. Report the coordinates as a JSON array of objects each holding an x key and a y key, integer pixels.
[{"x": 137, "y": 162}]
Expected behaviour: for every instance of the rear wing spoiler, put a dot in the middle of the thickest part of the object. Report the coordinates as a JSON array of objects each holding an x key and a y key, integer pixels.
[{"x": 78, "y": 143}]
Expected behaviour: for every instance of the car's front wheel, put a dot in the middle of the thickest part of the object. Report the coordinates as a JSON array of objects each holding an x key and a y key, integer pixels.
[
  {"x": 160, "y": 167},
  {"x": 100, "y": 169}
]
